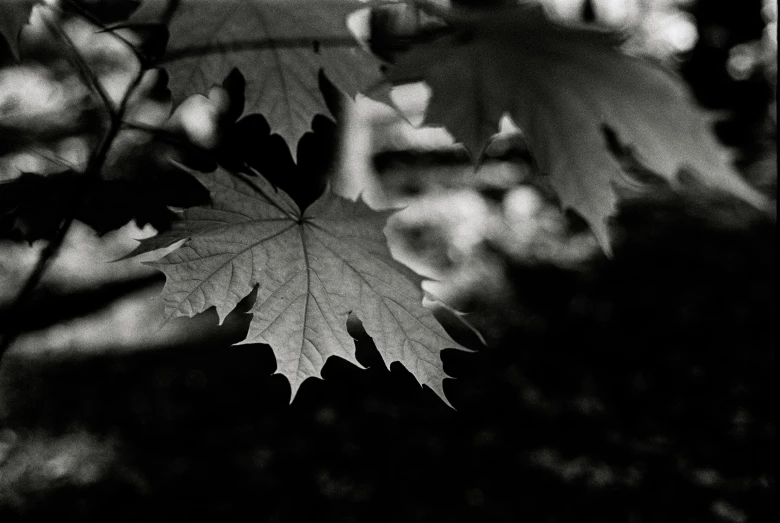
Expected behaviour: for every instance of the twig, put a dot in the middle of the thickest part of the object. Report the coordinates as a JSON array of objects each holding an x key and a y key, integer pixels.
[
  {"x": 93, "y": 169},
  {"x": 13, "y": 319},
  {"x": 84, "y": 13},
  {"x": 87, "y": 76},
  {"x": 254, "y": 45},
  {"x": 163, "y": 135}
]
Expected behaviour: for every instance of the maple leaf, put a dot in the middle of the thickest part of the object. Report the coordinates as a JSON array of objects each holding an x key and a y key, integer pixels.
[
  {"x": 279, "y": 45},
  {"x": 564, "y": 86},
  {"x": 312, "y": 268}
]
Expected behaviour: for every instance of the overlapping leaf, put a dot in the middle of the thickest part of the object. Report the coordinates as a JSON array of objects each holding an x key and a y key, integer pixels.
[
  {"x": 312, "y": 268},
  {"x": 279, "y": 45},
  {"x": 562, "y": 86}
]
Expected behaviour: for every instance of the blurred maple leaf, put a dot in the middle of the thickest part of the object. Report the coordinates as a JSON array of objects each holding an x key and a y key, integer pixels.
[{"x": 566, "y": 87}]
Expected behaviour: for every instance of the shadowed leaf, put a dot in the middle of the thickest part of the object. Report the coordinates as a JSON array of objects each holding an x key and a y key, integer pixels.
[
  {"x": 279, "y": 45},
  {"x": 562, "y": 85}
]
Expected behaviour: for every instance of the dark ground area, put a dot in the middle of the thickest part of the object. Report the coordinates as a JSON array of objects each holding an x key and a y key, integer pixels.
[{"x": 641, "y": 389}]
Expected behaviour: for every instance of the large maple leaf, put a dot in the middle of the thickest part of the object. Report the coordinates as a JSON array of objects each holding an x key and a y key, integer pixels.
[
  {"x": 563, "y": 86},
  {"x": 279, "y": 45},
  {"x": 312, "y": 268}
]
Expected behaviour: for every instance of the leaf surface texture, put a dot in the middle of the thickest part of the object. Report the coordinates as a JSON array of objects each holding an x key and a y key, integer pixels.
[{"x": 312, "y": 269}]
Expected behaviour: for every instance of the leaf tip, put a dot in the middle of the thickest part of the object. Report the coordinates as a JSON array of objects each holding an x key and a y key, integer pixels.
[
  {"x": 439, "y": 391},
  {"x": 295, "y": 386}
]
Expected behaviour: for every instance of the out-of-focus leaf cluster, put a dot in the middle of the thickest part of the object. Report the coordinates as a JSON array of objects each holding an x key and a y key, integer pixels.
[{"x": 75, "y": 78}]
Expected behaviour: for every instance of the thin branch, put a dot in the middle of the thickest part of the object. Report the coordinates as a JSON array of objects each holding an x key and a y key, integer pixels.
[
  {"x": 170, "y": 11},
  {"x": 87, "y": 76},
  {"x": 95, "y": 165},
  {"x": 253, "y": 45},
  {"x": 13, "y": 319},
  {"x": 85, "y": 14},
  {"x": 51, "y": 158},
  {"x": 96, "y": 162},
  {"x": 170, "y": 138},
  {"x": 163, "y": 135},
  {"x": 19, "y": 141}
]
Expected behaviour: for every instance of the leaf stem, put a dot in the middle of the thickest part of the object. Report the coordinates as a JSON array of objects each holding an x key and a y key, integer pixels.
[{"x": 259, "y": 190}]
